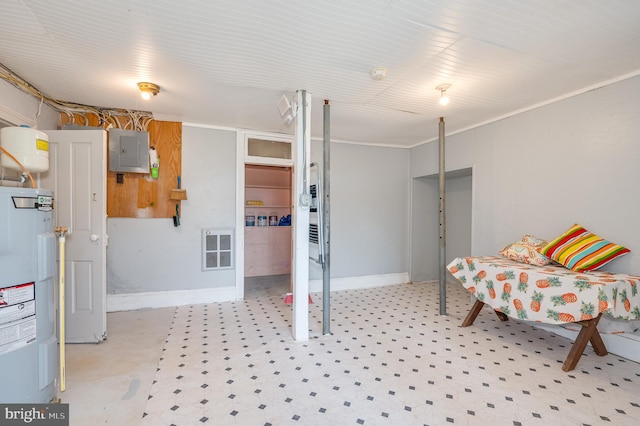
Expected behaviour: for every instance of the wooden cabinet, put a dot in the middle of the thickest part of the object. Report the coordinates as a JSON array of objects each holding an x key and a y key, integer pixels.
[{"x": 267, "y": 194}]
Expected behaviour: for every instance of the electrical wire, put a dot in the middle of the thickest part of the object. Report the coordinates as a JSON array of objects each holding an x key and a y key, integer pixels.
[
  {"x": 138, "y": 120},
  {"x": 40, "y": 107}
]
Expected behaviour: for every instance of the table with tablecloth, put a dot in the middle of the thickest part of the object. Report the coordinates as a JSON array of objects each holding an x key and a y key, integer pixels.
[{"x": 549, "y": 294}]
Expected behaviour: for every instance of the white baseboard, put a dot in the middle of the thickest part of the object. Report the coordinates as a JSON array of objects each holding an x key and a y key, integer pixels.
[
  {"x": 626, "y": 345},
  {"x": 162, "y": 299},
  {"x": 360, "y": 282}
]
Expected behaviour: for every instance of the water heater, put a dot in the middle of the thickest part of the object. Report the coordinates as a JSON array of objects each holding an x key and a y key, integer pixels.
[{"x": 28, "y": 344}]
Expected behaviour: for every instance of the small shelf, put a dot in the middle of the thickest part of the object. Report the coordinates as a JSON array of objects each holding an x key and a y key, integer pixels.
[
  {"x": 178, "y": 194},
  {"x": 268, "y": 187},
  {"x": 267, "y": 207},
  {"x": 270, "y": 227}
]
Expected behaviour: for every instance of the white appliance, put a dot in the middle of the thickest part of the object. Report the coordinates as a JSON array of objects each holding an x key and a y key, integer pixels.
[
  {"x": 29, "y": 146},
  {"x": 28, "y": 344}
]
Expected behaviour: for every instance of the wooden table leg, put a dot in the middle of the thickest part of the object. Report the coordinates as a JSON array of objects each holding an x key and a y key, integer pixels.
[
  {"x": 475, "y": 310},
  {"x": 597, "y": 344},
  {"x": 588, "y": 332},
  {"x": 501, "y": 315},
  {"x": 473, "y": 313}
]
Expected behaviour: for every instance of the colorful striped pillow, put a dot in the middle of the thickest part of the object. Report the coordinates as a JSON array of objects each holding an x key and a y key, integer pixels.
[{"x": 580, "y": 250}]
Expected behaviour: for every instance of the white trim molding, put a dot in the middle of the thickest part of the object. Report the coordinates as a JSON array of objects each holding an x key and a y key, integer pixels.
[
  {"x": 163, "y": 299},
  {"x": 15, "y": 118},
  {"x": 360, "y": 282}
]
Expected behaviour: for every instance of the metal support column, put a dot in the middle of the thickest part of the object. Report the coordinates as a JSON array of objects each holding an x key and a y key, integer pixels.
[
  {"x": 326, "y": 270},
  {"x": 441, "y": 181}
]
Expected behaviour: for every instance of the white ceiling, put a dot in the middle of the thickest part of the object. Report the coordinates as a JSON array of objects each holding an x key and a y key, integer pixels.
[{"x": 228, "y": 62}]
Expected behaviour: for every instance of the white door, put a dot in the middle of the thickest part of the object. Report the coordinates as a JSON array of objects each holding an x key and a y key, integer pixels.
[{"x": 77, "y": 174}]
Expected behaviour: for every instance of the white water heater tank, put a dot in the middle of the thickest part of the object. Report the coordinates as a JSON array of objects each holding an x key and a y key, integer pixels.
[{"x": 29, "y": 146}]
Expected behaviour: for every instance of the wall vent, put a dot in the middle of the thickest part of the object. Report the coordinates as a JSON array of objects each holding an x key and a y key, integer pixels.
[
  {"x": 217, "y": 249},
  {"x": 313, "y": 233}
]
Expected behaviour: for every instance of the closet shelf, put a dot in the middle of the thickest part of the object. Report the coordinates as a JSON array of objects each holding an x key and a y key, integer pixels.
[
  {"x": 250, "y": 228},
  {"x": 267, "y": 207},
  {"x": 268, "y": 187}
]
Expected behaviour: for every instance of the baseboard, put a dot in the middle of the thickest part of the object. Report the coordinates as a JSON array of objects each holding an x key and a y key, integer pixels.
[
  {"x": 626, "y": 345},
  {"x": 162, "y": 299},
  {"x": 360, "y": 282}
]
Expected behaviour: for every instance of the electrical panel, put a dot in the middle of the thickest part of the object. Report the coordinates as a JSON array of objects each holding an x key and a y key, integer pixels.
[{"x": 128, "y": 151}]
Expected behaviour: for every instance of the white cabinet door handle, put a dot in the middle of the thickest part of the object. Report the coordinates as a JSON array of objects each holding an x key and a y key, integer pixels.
[{"x": 94, "y": 237}]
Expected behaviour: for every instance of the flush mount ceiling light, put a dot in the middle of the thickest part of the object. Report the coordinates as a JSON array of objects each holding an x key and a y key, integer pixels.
[
  {"x": 444, "y": 99},
  {"x": 378, "y": 73},
  {"x": 147, "y": 90}
]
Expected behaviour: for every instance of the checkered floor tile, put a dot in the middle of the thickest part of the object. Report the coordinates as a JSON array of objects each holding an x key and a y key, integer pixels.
[{"x": 391, "y": 360}]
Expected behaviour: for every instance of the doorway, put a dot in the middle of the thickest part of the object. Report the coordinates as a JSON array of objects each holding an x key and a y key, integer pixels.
[
  {"x": 425, "y": 222},
  {"x": 267, "y": 232}
]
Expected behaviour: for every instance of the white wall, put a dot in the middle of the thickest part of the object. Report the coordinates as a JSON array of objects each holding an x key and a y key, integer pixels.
[
  {"x": 151, "y": 255},
  {"x": 369, "y": 218},
  {"x": 539, "y": 172},
  {"x": 369, "y": 210}
]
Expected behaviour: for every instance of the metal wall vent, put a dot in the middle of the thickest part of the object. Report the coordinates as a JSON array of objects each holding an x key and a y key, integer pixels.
[
  {"x": 217, "y": 249},
  {"x": 314, "y": 198},
  {"x": 313, "y": 233}
]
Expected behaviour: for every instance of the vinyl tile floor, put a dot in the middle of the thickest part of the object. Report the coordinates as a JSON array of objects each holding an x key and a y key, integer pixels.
[
  {"x": 270, "y": 285},
  {"x": 391, "y": 360}
]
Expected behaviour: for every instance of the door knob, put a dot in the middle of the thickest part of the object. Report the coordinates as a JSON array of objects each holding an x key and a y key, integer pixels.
[{"x": 94, "y": 237}]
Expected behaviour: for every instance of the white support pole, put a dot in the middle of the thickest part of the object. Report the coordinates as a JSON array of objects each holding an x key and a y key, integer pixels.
[{"x": 302, "y": 201}]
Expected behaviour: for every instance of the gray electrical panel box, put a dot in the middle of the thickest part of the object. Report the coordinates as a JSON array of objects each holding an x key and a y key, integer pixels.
[{"x": 128, "y": 151}]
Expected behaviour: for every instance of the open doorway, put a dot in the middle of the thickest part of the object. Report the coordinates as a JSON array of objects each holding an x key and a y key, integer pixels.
[
  {"x": 267, "y": 236},
  {"x": 425, "y": 222}
]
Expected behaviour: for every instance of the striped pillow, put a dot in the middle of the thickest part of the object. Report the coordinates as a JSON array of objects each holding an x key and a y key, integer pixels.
[{"x": 580, "y": 250}]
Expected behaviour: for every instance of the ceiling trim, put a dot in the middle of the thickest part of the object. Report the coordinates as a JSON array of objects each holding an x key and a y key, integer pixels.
[{"x": 15, "y": 118}]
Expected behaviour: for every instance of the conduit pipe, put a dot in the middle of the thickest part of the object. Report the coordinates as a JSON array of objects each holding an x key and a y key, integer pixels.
[
  {"x": 305, "y": 197},
  {"x": 443, "y": 244},
  {"x": 326, "y": 270}
]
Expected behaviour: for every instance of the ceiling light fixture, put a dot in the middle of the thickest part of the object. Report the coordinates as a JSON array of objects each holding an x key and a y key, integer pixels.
[
  {"x": 378, "y": 73},
  {"x": 444, "y": 99},
  {"x": 147, "y": 90}
]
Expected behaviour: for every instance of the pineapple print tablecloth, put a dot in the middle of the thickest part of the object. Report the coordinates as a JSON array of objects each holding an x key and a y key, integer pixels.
[{"x": 549, "y": 294}]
